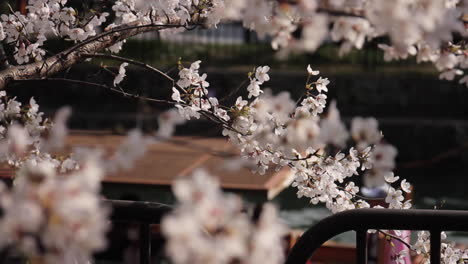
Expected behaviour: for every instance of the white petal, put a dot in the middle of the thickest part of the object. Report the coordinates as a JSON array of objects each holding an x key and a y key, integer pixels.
[
  {"x": 405, "y": 186},
  {"x": 390, "y": 178}
]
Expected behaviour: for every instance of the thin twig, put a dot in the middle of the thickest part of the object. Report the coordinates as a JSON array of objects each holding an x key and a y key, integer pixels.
[
  {"x": 116, "y": 30},
  {"x": 396, "y": 238},
  {"x": 130, "y": 61},
  {"x": 234, "y": 91},
  {"x": 205, "y": 113},
  {"x": 103, "y": 86}
]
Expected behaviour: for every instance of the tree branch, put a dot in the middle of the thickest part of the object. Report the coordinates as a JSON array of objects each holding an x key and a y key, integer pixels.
[
  {"x": 396, "y": 238},
  {"x": 103, "y": 86},
  {"x": 134, "y": 62},
  {"x": 209, "y": 115},
  {"x": 75, "y": 54}
]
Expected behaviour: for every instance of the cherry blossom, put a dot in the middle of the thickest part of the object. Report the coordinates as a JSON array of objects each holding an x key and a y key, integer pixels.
[
  {"x": 416, "y": 28},
  {"x": 391, "y": 178},
  {"x": 176, "y": 95},
  {"x": 312, "y": 72},
  {"x": 365, "y": 131},
  {"x": 321, "y": 84},
  {"x": 272, "y": 131},
  {"x": 206, "y": 218},
  {"x": 405, "y": 186},
  {"x": 261, "y": 74},
  {"x": 55, "y": 203},
  {"x": 119, "y": 77},
  {"x": 63, "y": 216},
  {"x": 254, "y": 89},
  {"x": 167, "y": 122},
  {"x": 394, "y": 198}
]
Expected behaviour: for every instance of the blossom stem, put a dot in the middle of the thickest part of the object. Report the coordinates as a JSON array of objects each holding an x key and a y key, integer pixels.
[{"x": 136, "y": 63}]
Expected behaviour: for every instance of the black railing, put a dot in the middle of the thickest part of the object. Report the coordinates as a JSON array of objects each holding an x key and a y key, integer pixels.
[
  {"x": 361, "y": 220},
  {"x": 143, "y": 213}
]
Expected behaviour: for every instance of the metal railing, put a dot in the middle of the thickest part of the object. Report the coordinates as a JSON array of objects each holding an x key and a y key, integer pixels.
[
  {"x": 361, "y": 220},
  {"x": 143, "y": 213}
]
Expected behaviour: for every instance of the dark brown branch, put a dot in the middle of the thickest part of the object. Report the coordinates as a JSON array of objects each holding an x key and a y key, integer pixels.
[
  {"x": 134, "y": 62},
  {"x": 360, "y": 196},
  {"x": 209, "y": 115},
  {"x": 73, "y": 55},
  {"x": 396, "y": 238},
  {"x": 233, "y": 92},
  {"x": 103, "y": 86}
]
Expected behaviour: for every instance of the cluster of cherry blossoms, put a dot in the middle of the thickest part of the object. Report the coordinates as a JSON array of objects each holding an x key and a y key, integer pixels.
[
  {"x": 21, "y": 130},
  {"x": 194, "y": 100},
  {"x": 44, "y": 19},
  {"x": 28, "y": 32},
  {"x": 57, "y": 217},
  {"x": 208, "y": 226},
  {"x": 275, "y": 131},
  {"x": 421, "y": 28},
  {"x": 54, "y": 211},
  {"x": 449, "y": 253}
]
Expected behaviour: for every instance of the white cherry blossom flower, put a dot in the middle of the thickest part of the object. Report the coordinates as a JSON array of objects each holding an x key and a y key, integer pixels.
[
  {"x": 189, "y": 112},
  {"x": 391, "y": 178},
  {"x": 254, "y": 88},
  {"x": 117, "y": 47},
  {"x": 240, "y": 103},
  {"x": 131, "y": 149},
  {"x": 383, "y": 156},
  {"x": 450, "y": 74},
  {"x": 333, "y": 129},
  {"x": 446, "y": 61},
  {"x": 223, "y": 114},
  {"x": 22, "y": 55},
  {"x": 321, "y": 84},
  {"x": 365, "y": 131},
  {"x": 77, "y": 34},
  {"x": 167, "y": 122},
  {"x": 176, "y": 95},
  {"x": 119, "y": 77},
  {"x": 464, "y": 80},
  {"x": 394, "y": 198},
  {"x": 207, "y": 217},
  {"x": 261, "y": 74},
  {"x": 58, "y": 132},
  {"x": 405, "y": 186},
  {"x": 312, "y": 72}
]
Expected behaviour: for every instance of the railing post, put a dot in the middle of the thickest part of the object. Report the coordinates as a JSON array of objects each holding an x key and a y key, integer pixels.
[
  {"x": 435, "y": 246},
  {"x": 145, "y": 243},
  {"x": 361, "y": 246}
]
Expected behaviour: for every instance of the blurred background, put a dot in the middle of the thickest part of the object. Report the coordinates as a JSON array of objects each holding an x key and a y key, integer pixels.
[{"x": 422, "y": 116}]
